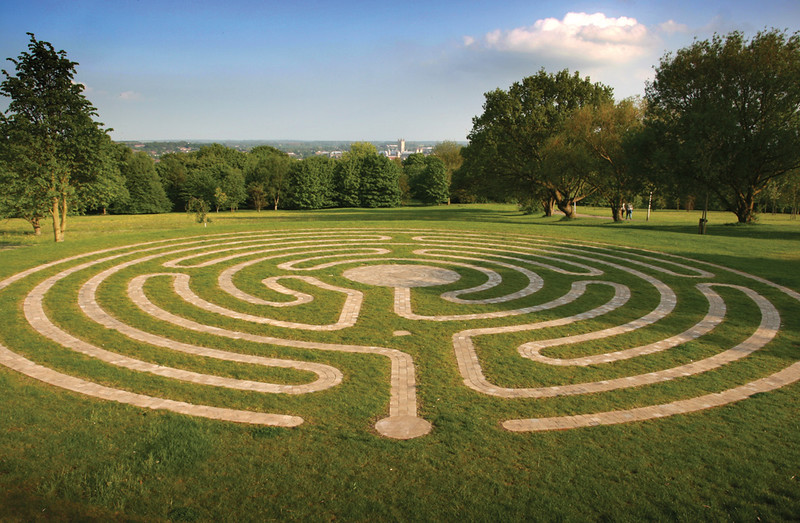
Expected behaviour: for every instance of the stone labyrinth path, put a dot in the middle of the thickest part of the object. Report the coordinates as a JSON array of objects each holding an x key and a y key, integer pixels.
[{"x": 522, "y": 320}]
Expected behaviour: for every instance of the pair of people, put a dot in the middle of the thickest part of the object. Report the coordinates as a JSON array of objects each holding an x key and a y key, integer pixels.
[{"x": 628, "y": 208}]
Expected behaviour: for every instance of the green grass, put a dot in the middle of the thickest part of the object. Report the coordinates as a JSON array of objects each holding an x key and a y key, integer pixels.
[{"x": 65, "y": 456}]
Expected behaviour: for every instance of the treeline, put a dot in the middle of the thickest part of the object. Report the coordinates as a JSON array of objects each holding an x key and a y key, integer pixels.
[{"x": 221, "y": 178}]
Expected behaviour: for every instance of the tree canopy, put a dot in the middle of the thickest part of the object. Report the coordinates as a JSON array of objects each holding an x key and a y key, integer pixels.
[
  {"x": 508, "y": 139},
  {"x": 51, "y": 144},
  {"x": 726, "y": 113}
]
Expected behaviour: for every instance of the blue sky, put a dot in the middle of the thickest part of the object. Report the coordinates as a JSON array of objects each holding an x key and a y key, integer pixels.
[{"x": 314, "y": 70}]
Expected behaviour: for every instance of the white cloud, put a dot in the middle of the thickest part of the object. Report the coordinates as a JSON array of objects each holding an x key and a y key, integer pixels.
[
  {"x": 671, "y": 27},
  {"x": 594, "y": 37},
  {"x": 130, "y": 96}
]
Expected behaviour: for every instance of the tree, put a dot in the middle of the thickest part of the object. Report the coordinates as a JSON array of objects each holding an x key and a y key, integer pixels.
[
  {"x": 450, "y": 154},
  {"x": 348, "y": 174},
  {"x": 379, "y": 182},
  {"x": 53, "y": 144},
  {"x": 172, "y": 171},
  {"x": 257, "y": 195},
  {"x": 427, "y": 178},
  {"x": 309, "y": 183},
  {"x": 507, "y": 141},
  {"x": 220, "y": 198},
  {"x": 268, "y": 168},
  {"x": 146, "y": 194},
  {"x": 567, "y": 172},
  {"x": 234, "y": 188},
  {"x": 607, "y": 132},
  {"x": 200, "y": 209},
  {"x": 109, "y": 189},
  {"x": 727, "y": 112},
  {"x": 413, "y": 166},
  {"x": 200, "y": 184},
  {"x": 21, "y": 197}
]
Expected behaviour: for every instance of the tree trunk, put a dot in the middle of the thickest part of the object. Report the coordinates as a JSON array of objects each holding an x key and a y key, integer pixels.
[
  {"x": 63, "y": 225},
  {"x": 37, "y": 228},
  {"x": 54, "y": 212},
  {"x": 548, "y": 204},
  {"x": 744, "y": 210},
  {"x": 276, "y": 203},
  {"x": 616, "y": 209},
  {"x": 566, "y": 206}
]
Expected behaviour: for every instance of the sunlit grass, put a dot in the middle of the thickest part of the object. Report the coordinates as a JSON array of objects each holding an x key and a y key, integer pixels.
[{"x": 76, "y": 457}]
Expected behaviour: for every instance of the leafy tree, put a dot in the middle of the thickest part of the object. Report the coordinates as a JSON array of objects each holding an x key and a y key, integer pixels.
[
  {"x": 413, "y": 166},
  {"x": 348, "y": 174},
  {"x": 220, "y": 198},
  {"x": 200, "y": 209},
  {"x": 507, "y": 141},
  {"x": 257, "y": 195},
  {"x": 52, "y": 142},
  {"x": 109, "y": 189},
  {"x": 567, "y": 172},
  {"x": 21, "y": 197},
  {"x": 450, "y": 153},
  {"x": 427, "y": 178},
  {"x": 608, "y": 132},
  {"x": 200, "y": 184},
  {"x": 379, "y": 182},
  {"x": 268, "y": 168},
  {"x": 727, "y": 113},
  {"x": 217, "y": 154},
  {"x": 172, "y": 171},
  {"x": 363, "y": 178},
  {"x": 146, "y": 194},
  {"x": 309, "y": 183},
  {"x": 234, "y": 188}
]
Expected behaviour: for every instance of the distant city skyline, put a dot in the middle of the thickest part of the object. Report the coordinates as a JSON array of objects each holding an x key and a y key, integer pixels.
[{"x": 351, "y": 71}]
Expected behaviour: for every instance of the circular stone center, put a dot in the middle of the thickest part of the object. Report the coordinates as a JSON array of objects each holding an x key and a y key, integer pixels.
[{"x": 401, "y": 275}]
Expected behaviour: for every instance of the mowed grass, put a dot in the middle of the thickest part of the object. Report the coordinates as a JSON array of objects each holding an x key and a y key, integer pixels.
[{"x": 65, "y": 456}]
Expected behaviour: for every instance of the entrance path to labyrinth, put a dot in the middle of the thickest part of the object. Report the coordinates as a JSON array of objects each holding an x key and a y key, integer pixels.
[{"x": 508, "y": 274}]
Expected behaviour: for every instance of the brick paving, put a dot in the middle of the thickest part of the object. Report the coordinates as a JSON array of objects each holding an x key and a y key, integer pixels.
[{"x": 470, "y": 251}]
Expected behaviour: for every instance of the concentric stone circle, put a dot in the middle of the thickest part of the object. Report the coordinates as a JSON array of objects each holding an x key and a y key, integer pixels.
[{"x": 513, "y": 271}]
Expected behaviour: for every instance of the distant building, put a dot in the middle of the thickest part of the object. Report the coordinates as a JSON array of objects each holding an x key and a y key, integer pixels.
[
  {"x": 329, "y": 154},
  {"x": 397, "y": 150}
]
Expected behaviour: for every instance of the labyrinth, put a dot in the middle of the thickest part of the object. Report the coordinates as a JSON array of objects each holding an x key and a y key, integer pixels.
[{"x": 245, "y": 327}]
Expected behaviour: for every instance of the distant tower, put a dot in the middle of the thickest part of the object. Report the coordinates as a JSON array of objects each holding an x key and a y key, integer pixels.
[{"x": 402, "y": 144}]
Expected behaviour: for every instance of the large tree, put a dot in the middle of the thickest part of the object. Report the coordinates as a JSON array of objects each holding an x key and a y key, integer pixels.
[
  {"x": 727, "y": 111},
  {"x": 309, "y": 183},
  {"x": 52, "y": 143},
  {"x": 507, "y": 142},
  {"x": 348, "y": 173},
  {"x": 427, "y": 178},
  {"x": 607, "y": 132},
  {"x": 379, "y": 184},
  {"x": 567, "y": 172},
  {"x": 146, "y": 194}
]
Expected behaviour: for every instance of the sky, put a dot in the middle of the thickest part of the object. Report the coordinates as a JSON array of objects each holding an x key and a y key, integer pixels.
[{"x": 348, "y": 71}]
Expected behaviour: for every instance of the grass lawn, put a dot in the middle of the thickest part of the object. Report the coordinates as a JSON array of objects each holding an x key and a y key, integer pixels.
[{"x": 69, "y": 456}]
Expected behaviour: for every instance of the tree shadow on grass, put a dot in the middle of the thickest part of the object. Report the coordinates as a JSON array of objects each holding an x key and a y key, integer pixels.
[
  {"x": 438, "y": 213},
  {"x": 726, "y": 230}
]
